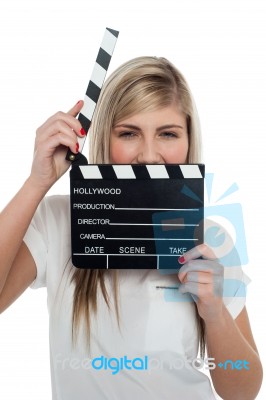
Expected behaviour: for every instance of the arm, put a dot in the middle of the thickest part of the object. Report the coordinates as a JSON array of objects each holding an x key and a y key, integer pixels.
[
  {"x": 226, "y": 339},
  {"x": 229, "y": 339},
  {"x": 17, "y": 267},
  {"x": 14, "y": 221}
]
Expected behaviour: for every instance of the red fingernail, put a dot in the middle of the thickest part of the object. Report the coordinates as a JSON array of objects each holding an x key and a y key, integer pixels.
[
  {"x": 78, "y": 102},
  {"x": 82, "y": 132},
  {"x": 77, "y": 147},
  {"x": 181, "y": 260}
]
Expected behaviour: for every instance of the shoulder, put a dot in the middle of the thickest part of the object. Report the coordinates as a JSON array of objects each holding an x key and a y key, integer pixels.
[
  {"x": 55, "y": 208},
  {"x": 57, "y": 204},
  {"x": 51, "y": 216}
]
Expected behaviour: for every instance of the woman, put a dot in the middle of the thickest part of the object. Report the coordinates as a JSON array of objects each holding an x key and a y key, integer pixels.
[{"x": 112, "y": 334}]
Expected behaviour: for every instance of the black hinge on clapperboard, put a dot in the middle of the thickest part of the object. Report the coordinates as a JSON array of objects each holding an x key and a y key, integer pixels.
[{"x": 131, "y": 216}]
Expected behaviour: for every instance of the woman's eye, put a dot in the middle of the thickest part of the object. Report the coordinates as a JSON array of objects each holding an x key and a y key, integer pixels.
[
  {"x": 169, "y": 135},
  {"x": 127, "y": 134}
]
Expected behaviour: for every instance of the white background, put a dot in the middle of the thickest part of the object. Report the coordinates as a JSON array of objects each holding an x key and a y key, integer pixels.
[{"x": 47, "y": 51}]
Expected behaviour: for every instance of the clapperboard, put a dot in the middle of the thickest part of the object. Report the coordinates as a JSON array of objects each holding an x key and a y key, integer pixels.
[
  {"x": 135, "y": 216},
  {"x": 130, "y": 216}
]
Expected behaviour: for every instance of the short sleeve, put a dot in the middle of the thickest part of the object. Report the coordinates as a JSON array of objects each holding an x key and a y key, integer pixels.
[{"x": 36, "y": 241}]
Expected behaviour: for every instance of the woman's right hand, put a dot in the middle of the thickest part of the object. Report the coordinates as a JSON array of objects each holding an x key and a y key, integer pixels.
[{"x": 52, "y": 140}]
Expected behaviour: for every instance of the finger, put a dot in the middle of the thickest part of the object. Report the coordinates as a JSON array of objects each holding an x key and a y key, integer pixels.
[
  {"x": 68, "y": 118},
  {"x": 191, "y": 288},
  {"x": 201, "y": 250},
  {"x": 74, "y": 123},
  {"x": 60, "y": 139},
  {"x": 60, "y": 122},
  {"x": 57, "y": 128},
  {"x": 202, "y": 290},
  {"x": 74, "y": 111},
  {"x": 200, "y": 265},
  {"x": 200, "y": 277}
]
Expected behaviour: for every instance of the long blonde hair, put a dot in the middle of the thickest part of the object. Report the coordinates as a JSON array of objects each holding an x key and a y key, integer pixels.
[{"x": 141, "y": 84}]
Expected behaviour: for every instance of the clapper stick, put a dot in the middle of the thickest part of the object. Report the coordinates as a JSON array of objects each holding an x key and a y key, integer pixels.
[{"x": 94, "y": 87}]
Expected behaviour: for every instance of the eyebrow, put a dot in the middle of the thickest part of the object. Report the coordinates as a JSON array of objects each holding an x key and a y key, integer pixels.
[{"x": 130, "y": 126}]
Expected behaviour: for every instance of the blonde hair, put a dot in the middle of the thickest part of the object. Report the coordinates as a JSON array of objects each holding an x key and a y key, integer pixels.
[{"x": 141, "y": 84}]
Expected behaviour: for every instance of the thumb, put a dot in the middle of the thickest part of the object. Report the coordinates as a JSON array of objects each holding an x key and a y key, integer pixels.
[{"x": 76, "y": 109}]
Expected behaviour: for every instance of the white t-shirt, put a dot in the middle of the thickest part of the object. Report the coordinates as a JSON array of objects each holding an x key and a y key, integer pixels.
[{"x": 157, "y": 340}]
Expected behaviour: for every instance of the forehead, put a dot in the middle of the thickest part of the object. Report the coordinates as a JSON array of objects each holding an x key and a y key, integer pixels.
[{"x": 169, "y": 114}]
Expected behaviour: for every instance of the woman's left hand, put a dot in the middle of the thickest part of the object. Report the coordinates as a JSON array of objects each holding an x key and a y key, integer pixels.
[{"x": 203, "y": 279}]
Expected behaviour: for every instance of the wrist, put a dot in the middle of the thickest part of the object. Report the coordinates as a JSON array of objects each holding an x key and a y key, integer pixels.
[
  {"x": 35, "y": 189},
  {"x": 220, "y": 321}
]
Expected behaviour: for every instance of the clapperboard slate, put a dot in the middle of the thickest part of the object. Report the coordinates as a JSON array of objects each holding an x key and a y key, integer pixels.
[{"x": 135, "y": 216}]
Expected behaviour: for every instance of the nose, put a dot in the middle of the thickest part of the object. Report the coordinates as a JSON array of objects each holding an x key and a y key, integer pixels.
[{"x": 149, "y": 154}]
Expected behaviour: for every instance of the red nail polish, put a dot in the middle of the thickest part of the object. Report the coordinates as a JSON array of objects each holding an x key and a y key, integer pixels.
[
  {"x": 77, "y": 147},
  {"x": 181, "y": 260},
  {"x": 82, "y": 132}
]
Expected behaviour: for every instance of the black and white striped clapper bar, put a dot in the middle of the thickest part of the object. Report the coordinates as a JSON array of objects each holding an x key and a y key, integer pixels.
[
  {"x": 135, "y": 216},
  {"x": 94, "y": 87}
]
